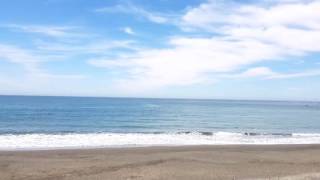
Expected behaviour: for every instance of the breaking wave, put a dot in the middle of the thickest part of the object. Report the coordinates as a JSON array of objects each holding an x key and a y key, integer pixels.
[{"x": 92, "y": 140}]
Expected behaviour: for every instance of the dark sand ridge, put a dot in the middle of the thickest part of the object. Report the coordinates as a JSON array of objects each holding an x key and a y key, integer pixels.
[{"x": 185, "y": 162}]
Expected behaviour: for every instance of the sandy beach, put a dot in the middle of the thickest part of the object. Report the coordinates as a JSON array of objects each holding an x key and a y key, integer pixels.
[{"x": 185, "y": 162}]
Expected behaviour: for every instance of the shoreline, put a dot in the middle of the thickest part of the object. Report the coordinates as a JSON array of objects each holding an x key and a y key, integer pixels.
[
  {"x": 128, "y": 147},
  {"x": 165, "y": 162},
  {"x": 124, "y": 140}
]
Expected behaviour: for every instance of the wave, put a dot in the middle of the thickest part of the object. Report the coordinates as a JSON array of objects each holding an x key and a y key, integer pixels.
[{"x": 92, "y": 140}]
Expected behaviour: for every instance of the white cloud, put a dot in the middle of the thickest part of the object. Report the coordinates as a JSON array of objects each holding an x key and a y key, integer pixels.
[
  {"x": 95, "y": 47},
  {"x": 307, "y": 73},
  {"x": 293, "y": 26},
  {"x": 256, "y": 72},
  {"x": 52, "y": 31},
  {"x": 188, "y": 61},
  {"x": 131, "y": 9},
  {"x": 30, "y": 61},
  {"x": 247, "y": 34},
  {"x": 236, "y": 36},
  {"x": 19, "y": 56},
  {"x": 267, "y": 73},
  {"x": 210, "y": 15},
  {"x": 128, "y": 30}
]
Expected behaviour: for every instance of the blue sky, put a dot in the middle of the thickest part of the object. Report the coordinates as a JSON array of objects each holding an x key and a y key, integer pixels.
[{"x": 266, "y": 49}]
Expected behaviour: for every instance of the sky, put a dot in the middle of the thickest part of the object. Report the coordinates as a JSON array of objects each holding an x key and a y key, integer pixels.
[{"x": 221, "y": 49}]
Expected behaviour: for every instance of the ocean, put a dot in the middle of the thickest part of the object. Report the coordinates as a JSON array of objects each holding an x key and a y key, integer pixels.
[{"x": 39, "y": 122}]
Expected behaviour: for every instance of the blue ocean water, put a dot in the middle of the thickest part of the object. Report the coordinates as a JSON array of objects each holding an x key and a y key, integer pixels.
[
  {"x": 27, "y": 115},
  {"x": 31, "y": 114}
]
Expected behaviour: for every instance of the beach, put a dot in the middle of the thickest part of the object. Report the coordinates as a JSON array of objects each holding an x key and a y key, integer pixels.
[
  {"x": 160, "y": 90},
  {"x": 180, "y": 162}
]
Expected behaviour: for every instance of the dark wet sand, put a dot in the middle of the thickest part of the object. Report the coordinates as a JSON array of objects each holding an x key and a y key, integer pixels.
[{"x": 186, "y": 162}]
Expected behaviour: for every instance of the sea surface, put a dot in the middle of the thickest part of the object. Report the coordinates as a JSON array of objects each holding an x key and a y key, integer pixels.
[{"x": 34, "y": 122}]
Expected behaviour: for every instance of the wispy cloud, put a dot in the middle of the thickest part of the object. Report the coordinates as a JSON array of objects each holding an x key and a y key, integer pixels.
[
  {"x": 33, "y": 76},
  {"x": 47, "y": 30},
  {"x": 296, "y": 14},
  {"x": 307, "y": 73},
  {"x": 19, "y": 56},
  {"x": 254, "y": 72},
  {"x": 30, "y": 61},
  {"x": 98, "y": 47},
  {"x": 135, "y": 10},
  {"x": 128, "y": 30},
  {"x": 188, "y": 61},
  {"x": 266, "y": 24},
  {"x": 247, "y": 34},
  {"x": 267, "y": 73},
  {"x": 225, "y": 38}
]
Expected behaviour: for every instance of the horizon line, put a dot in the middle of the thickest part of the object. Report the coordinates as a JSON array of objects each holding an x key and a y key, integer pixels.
[{"x": 173, "y": 98}]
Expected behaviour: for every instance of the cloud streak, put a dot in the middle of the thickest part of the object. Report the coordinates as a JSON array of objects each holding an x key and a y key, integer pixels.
[
  {"x": 267, "y": 73},
  {"x": 47, "y": 30},
  {"x": 135, "y": 10},
  {"x": 19, "y": 56},
  {"x": 30, "y": 61},
  {"x": 99, "y": 47}
]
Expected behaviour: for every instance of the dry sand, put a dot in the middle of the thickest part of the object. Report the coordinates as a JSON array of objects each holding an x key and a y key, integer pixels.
[{"x": 187, "y": 162}]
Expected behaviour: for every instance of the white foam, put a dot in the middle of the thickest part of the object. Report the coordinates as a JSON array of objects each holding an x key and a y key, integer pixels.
[{"x": 50, "y": 141}]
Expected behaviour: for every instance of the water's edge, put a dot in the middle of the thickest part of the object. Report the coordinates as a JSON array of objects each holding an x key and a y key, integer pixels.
[{"x": 104, "y": 140}]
